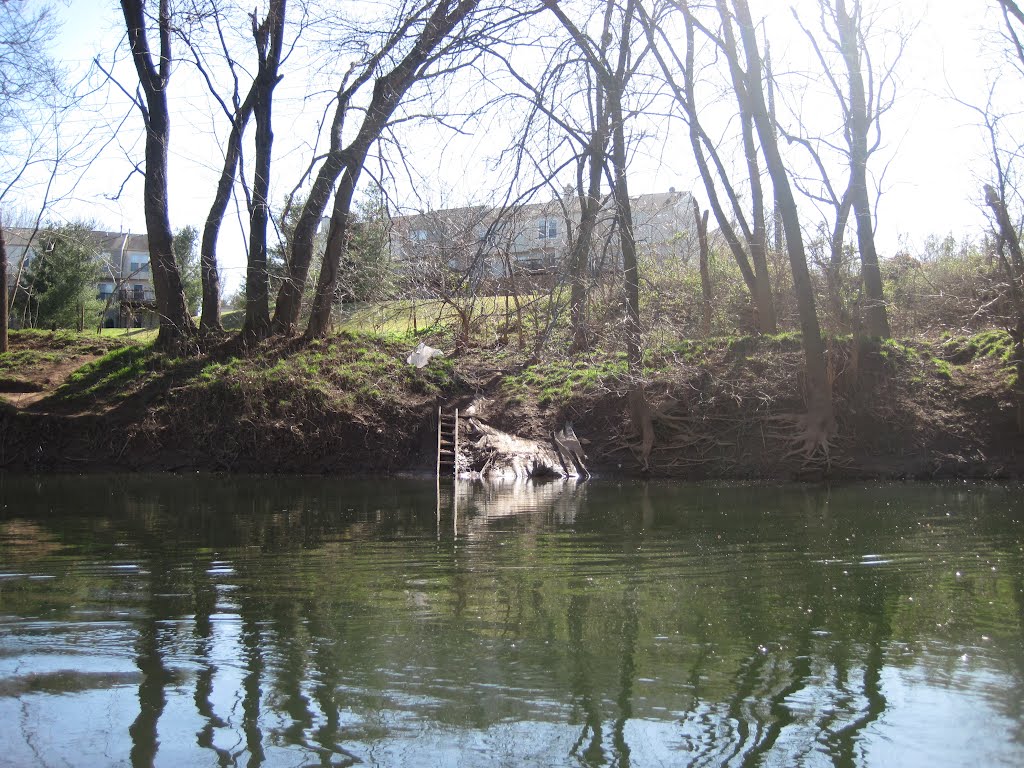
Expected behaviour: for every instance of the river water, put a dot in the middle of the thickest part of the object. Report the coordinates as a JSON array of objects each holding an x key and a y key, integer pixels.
[{"x": 192, "y": 621}]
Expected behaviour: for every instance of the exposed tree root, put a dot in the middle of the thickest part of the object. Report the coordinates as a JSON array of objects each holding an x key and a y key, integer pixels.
[
  {"x": 814, "y": 438},
  {"x": 678, "y": 440},
  {"x": 643, "y": 423}
]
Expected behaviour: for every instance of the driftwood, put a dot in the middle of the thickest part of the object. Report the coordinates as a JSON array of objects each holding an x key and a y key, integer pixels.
[
  {"x": 498, "y": 454},
  {"x": 570, "y": 452}
]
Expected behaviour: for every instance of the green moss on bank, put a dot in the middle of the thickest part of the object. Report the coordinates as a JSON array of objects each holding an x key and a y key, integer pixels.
[
  {"x": 21, "y": 359},
  {"x": 561, "y": 381},
  {"x": 996, "y": 344}
]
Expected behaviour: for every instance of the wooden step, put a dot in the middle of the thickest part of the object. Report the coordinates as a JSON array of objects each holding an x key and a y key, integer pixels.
[{"x": 447, "y": 440}]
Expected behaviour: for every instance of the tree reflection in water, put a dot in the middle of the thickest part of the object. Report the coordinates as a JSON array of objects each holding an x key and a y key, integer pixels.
[
  {"x": 152, "y": 688},
  {"x": 205, "y": 599},
  {"x": 333, "y": 623}
]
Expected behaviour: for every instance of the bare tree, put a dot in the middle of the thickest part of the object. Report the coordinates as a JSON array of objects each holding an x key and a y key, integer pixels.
[
  {"x": 1003, "y": 192},
  {"x": 40, "y": 155},
  {"x": 238, "y": 113},
  {"x": 750, "y": 253},
  {"x": 614, "y": 67},
  {"x": 1013, "y": 19},
  {"x": 756, "y": 233},
  {"x": 591, "y": 202},
  {"x": 567, "y": 106},
  {"x": 27, "y": 76},
  {"x": 176, "y": 324},
  {"x": 1008, "y": 240},
  {"x": 338, "y": 156},
  {"x": 863, "y": 114},
  {"x": 388, "y": 91},
  {"x": 269, "y": 37},
  {"x": 566, "y": 112},
  {"x": 818, "y": 425},
  {"x": 450, "y": 255},
  {"x": 864, "y": 88},
  {"x": 707, "y": 297},
  {"x": 827, "y": 192}
]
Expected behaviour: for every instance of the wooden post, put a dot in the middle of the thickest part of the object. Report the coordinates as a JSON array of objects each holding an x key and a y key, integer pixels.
[
  {"x": 439, "y": 429},
  {"x": 4, "y": 320},
  {"x": 455, "y": 440}
]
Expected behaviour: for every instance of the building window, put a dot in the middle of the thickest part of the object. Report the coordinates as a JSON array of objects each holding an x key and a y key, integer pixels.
[
  {"x": 547, "y": 229},
  {"x": 530, "y": 263},
  {"x": 142, "y": 267},
  {"x": 419, "y": 235}
]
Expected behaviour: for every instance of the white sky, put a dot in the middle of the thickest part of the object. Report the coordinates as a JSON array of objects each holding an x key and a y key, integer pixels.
[{"x": 932, "y": 185}]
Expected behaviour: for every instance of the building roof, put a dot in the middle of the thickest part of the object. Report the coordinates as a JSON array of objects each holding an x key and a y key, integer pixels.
[
  {"x": 103, "y": 242},
  {"x": 647, "y": 203}
]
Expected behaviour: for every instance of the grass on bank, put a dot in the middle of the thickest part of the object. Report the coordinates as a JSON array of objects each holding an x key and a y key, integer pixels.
[
  {"x": 351, "y": 369},
  {"x": 347, "y": 369},
  {"x": 134, "y": 334},
  {"x": 18, "y": 360},
  {"x": 116, "y": 375},
  {"x": 32, "y": 348},
  {"x": 363, "y": 366}
]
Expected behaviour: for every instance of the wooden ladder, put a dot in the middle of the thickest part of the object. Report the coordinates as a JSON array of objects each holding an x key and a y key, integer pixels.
[{"x": 447, "y": 442}]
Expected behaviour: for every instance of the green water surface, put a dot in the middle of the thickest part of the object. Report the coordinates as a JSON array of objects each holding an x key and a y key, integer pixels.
[{"x": 213, "y": 621}]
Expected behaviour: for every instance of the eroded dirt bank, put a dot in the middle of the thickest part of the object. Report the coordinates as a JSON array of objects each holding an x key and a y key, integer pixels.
[{"x": 722, "y": 409}]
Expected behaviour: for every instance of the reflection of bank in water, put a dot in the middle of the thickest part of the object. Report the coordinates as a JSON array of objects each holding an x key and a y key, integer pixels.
[{"x": 469, "y": 506}]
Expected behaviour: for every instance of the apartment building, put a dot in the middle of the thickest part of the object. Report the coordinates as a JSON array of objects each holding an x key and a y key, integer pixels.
[
  {"x": 532, "y": 241},
  {"x": 125, "y": 280}
]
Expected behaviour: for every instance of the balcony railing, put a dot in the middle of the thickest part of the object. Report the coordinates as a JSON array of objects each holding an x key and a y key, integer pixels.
[{"x": 137, "y": 294}]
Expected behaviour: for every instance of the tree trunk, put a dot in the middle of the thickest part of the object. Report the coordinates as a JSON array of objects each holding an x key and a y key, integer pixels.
[
  {"x": 819, "y": 423},
  {"x": 876, "y": 316},
  {"x": 706, "y": 305},
  {"x": 835, "y": 264},
  {"x": 778, "y": 239},
  {"x": 175, "y": 320},
  {"x": 269, "y": 39},
  {"x": 757, "y": 241},
  {"x": 590, "y": 204},
  {"x": 640, "y": 411},
  {"x": 614, "y": 82},
  {"x": 579, "y": 261},
  {"x": 3, "y": 288},
  {"x": 624, "y": 216},
  {"x": 337, "y": 242},
  {"x": 210, "y": 319},
  {"x": 698, "y": 141},
  {"x": 176, "y": 324},
  {"x": 289, "y": 296}
]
